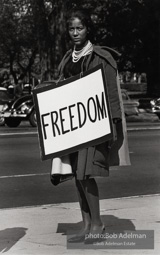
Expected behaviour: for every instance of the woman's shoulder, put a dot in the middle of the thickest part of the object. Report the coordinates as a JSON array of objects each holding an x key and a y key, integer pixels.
[
  {"x": 67, "y": 54},
  {"x": 107, "y": 53},
  {"x": 64, "y": 60}
]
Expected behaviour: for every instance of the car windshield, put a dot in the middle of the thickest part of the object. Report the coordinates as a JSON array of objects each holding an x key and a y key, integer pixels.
[{"x": 3, "y": 95}]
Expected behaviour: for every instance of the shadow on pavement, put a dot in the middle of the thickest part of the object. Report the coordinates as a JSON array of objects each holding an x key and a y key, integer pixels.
[
  {"x": 111, "y": 223},
  {"x": 9, "y": 237}
]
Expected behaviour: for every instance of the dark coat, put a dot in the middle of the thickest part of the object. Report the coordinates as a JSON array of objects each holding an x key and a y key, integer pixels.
[
  {"x": 95, "y": 160},
  {"x": 100, "y": 55}
]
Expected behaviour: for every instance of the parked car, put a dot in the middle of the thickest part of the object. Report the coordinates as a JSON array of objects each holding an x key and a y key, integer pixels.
[
  {"x": 5, "y": 97},
  {"x": 155, "y": 106},
  {"x": 130, "y": 105},
  {"x": 145, "y": 103},
  {"x": 27, "y": 88},
  {"x": 19, "y": 109}
]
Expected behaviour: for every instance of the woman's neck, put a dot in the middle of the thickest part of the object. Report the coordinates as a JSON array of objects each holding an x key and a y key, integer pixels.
[
  {"x": 86, "y": 50},
  {"x": 80, "y": 47}
]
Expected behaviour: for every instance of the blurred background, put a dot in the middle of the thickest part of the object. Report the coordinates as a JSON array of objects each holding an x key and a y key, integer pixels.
[{"x": 33, "y": 40}]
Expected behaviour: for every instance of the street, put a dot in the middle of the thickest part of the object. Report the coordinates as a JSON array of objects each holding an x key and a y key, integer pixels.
[
  {"x": 70, "y": 73},
  {"x": 24, "y": 178}
]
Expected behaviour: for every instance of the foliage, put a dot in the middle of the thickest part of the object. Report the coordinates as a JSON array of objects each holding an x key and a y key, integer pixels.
[
  {"x": 17, "y": 44},
  {"x": 33, "y": 35}
]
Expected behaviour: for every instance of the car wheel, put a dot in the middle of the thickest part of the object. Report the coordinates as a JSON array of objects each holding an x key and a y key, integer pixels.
[
  {"x": 33, "y": 119},
  {"x": 12, "y": 122},
  {"x": 2, "y": 121}
]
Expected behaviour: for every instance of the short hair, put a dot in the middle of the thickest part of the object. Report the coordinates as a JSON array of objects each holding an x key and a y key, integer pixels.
[{"x": 85, "y": 18}]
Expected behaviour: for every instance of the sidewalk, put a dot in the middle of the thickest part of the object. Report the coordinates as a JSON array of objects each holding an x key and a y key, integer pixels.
[{"x": 42, "y": 229}]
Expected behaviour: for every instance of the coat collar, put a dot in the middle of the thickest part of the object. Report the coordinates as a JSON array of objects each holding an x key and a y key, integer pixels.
[{"x": 102, "y": 51}]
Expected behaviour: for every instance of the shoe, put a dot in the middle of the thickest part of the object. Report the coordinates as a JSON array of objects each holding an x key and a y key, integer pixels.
[
  {"x": 76, "y": 239},
  {"x": 95, "y": 235},
  {"x": 79, "y": 238}
]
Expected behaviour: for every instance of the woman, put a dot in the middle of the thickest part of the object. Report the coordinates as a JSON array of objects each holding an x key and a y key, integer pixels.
[{"x": 93, "y": 161}]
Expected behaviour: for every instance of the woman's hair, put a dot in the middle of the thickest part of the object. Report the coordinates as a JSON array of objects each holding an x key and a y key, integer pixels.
[{"x": 85, "y": 18}]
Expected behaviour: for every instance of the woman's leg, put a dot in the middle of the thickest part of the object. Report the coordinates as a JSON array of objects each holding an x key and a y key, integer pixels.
[
  {"x": 89, "y": 203},
  {"x": 92, "y": 196},
  {"x": 86, "y": 215},
  {"x": 85, "y": 211}
]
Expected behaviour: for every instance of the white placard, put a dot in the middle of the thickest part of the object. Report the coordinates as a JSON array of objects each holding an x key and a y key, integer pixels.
[{"x": 73, "y": 114}]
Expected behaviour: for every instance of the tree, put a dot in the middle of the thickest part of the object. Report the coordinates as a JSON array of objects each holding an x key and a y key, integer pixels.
[
  {"x": 35, "y": 38},
  {"x": 17, "y": 45},
  {"x": 150, "y": 30},
  {"x": 133, "y": 28}
]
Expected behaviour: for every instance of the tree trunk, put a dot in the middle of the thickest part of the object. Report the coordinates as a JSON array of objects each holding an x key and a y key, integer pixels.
[{"x": 12, "y": 72}]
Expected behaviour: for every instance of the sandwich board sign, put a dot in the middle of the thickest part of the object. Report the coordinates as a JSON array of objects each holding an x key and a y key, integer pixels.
[{"x": 73, "y": 114}]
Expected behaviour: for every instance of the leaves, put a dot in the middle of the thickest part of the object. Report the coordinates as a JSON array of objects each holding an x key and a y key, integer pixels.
[{"x": 33, "y": 33}]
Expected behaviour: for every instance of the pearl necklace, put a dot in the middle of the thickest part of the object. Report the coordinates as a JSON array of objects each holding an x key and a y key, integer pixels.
[{"x": 86, "y": 50}]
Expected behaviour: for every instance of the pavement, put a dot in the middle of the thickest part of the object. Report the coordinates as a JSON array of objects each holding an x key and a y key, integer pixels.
[{"x": 44, "y": 229}]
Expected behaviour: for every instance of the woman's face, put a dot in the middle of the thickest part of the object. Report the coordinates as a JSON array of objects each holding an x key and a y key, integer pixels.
[{"x": 78, "y": 33}]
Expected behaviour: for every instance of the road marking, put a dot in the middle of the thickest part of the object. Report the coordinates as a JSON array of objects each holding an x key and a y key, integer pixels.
[
  {"x": 21, "y": 175},
  {"x": 19, "y": 133},
  {"x": 36, "y": 132},
  {"x": 142, "y": 128}
]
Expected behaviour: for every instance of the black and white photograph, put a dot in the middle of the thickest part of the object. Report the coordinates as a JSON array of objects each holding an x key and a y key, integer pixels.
[{"x": 80, "y": 127}]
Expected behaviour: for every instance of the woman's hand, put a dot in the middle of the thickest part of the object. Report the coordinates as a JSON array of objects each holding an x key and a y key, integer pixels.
[{"x": 117, "y": 120}]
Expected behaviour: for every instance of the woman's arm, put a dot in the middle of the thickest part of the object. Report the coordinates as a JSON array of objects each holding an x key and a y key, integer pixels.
[{"x": 111, "y": 79}]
